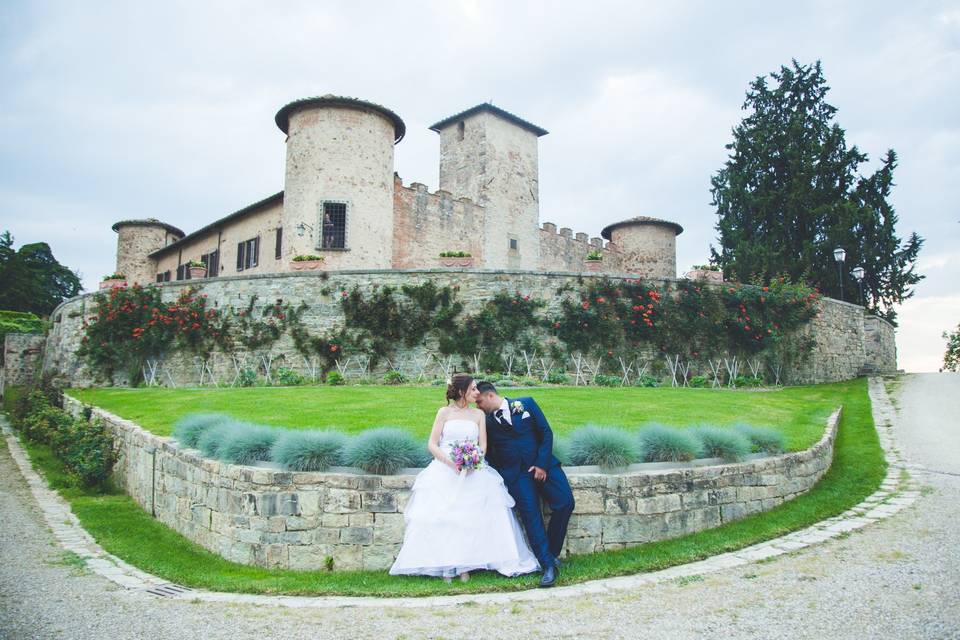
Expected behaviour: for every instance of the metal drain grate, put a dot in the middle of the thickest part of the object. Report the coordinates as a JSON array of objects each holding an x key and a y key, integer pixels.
[{"x": 168, "y": 590}]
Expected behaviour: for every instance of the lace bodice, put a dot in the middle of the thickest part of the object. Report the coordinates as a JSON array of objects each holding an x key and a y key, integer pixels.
[{"x": 458, "y": 429}]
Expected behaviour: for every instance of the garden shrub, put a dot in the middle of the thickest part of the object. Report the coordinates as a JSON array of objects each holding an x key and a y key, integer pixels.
[
  {"x": 646, "y": 381},
  {"x": 308, "y": 450},
  {"x": 505, "y": 382},
  {"x": 335, "y": 379},
  {"x": 290, "y": 378},
  {"x": 557, "y": 377},
  {"x": 659, "y": 443},
  {"x": 247, "y": 377},
  {"x": 607, "y": 447},
  {"x": 247, "y": 443},
  {"x": 87, "y": 451},
  {"x": 529, "y": 381},
  {"x": 747, "y": 381},
  {"x": 728, "y": 444},
  {"x": 394, "y": 377},
  {"x": 45, "y": 424},
  {"x": 699, "y": 382},
  {"x": 763, "y": 439},
  {"x": 188, "y": 429},
  {"x": 607, "y": 381},
  {"x": 385, "y": 451}
]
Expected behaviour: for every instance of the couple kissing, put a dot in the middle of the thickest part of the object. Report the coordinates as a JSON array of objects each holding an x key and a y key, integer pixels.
[{"x": 487, "y": 460}]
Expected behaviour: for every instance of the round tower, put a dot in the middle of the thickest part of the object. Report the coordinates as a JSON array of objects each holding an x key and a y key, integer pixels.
[
  {"x": 136, "y": 240},
  {"x": 649, "y": 245},
  {"x": 338, "y": 184}
]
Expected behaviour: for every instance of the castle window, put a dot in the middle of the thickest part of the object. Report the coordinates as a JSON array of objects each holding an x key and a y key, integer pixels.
[
  {"x": 248, "y": 253},
  {"x": 461, "y": 128},
  {"x": 278, "y": 250},
  {"x": 333, "y": 226},
  {"x": 183, "y": 272},
  {"x": 212, "y": 262},
  {"x": 164, "y": 277}
]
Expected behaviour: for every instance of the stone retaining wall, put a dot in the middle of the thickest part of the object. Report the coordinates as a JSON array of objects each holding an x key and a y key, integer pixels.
[
  {"x": 270, "y": 518},
  {"x": 838, "y": 333},
  {"x": 22, "y": 357}
]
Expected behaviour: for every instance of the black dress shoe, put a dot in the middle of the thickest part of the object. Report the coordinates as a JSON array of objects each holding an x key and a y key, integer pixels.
[{"x": 550, "y": 575}]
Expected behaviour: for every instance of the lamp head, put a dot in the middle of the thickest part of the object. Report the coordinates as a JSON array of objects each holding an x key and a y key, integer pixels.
[
  {"x": 839, "y": 254},
  {"x": 858, "y": 273}
]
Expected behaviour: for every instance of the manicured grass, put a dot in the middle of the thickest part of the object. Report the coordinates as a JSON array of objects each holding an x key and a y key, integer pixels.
[
  {"x": 800, "y": 412},
  {"x": 125, "y": 530}
]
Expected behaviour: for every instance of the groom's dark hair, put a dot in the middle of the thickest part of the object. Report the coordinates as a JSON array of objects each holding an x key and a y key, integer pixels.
[{"x": 485, "y": 386}]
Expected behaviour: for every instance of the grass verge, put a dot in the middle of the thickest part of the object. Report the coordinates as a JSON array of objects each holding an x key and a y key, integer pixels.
[
  {"x": 799, "y": 412},
  {"x": 125, "y": 530}
]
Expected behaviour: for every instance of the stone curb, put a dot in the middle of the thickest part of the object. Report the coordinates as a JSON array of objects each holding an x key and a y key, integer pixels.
[{"x": 895, "y": 493}]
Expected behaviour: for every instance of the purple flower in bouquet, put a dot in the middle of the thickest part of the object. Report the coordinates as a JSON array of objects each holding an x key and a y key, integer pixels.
[{"x": 466, "y": 455}]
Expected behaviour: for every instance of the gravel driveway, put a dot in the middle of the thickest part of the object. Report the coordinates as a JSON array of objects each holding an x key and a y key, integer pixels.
[{"x": 899, "y": 578}]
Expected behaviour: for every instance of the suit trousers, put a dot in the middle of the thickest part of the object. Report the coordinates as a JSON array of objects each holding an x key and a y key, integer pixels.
[{"x": 546, "y": 542}]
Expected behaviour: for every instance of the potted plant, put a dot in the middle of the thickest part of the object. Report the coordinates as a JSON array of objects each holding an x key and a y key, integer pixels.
[
  {"x": 705, "y": 272},
  {"x": 307, "y": 262},
  {"x": 594, "y": 260},
  {"x": 197, "y": 269},
  {"x": 113, "y": 280},
  {"x": 456, "y": 259}
]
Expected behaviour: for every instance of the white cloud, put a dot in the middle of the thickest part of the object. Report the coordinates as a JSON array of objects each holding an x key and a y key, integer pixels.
[{"x": 920, "y": 345}]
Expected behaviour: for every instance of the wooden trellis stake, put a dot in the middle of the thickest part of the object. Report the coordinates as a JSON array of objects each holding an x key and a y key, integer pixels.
[
  {"x": 715, "y": 369},
  {"x": 627, "y": 370},
  {"x": 510, "y": 364},
  {"x": 547, "y": 368},
  {"x": 529, "y": 361},
  {"x": 267, "y": 362},
  {"x": 476, "y": 363},
  {"x": 684, "y": 369},
  {"x": 596, "y": 370},
  {"x": 423, "y": 366},
  {"x": 755, "y": 367},
  {"x": 642, "y": 371},
  {"x": 732, "y": 367},
  {"x": 777, "y": 368},
  {"x": 238, "y": 366},
  {"x": 150, "y": 372},
  {"x": 672, "y": 365},
  {"x": 578, "y": 366},
  {"x": 169, "y": 377},
  {"x": 342, "y": 367},
  {"x": 446, "y": 366},
  {"x": 311, "y": 364}
]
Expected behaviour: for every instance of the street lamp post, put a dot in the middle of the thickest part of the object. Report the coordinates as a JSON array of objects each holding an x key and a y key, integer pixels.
[
  {"x": 858, "y": 273},
  {"x": 840, "y": 255}
]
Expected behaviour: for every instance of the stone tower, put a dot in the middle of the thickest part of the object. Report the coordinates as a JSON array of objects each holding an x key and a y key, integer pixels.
[
  {"x": 490, "y": 156},
  {"x": 136, "y": 240},
  {"x": 648, "y": 245},
  {"x": 338, "y": 183}
]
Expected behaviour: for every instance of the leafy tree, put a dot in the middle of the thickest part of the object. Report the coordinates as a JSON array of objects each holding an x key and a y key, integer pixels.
[
  {"x": 31, "y": 279},
  {"x": 951, "y": 359},
  {"x": 790, "y": 193}
]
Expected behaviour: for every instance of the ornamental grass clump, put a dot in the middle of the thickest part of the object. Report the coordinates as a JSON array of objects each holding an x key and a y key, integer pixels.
[
  {"x": 188, "y": 429},
  {"x": 664, "y": 444},
  {"x": 385, "y": 451},
  {"x": 213, "y": 437},
  {"x": 561, "y": 449},
  {"x": 246, "y": 443},
  {"x": 763, "y": 439},
  {"x": 606, "y": 447},
  {"x": 722, "y": 443},
  {"x": 308, "y": 450}
]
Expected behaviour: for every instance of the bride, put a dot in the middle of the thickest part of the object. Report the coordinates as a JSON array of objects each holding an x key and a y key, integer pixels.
[{"x": 460, "y": 521}]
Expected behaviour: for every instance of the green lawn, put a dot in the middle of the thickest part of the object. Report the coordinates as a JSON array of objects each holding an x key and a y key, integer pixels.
[
  {"x": 125, "y": 530},
  {"x": 800, "y": 412}
]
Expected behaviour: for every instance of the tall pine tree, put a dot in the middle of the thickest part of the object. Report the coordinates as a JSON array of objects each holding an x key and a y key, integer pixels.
[{"x": 790, "y": 193}]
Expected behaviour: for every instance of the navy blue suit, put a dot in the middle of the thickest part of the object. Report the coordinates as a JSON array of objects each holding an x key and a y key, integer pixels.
[{"x": 512, "y": 450}]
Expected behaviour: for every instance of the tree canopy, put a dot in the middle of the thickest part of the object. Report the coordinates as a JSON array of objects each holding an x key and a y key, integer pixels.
[
  {"x": 790, "y": 193},
  {"x": 31, "y": 279},
  {"x": 951, "y": 359}
]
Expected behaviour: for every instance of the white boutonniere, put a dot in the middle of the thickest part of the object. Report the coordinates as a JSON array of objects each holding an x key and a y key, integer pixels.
[{"x": 516, "y": 407}]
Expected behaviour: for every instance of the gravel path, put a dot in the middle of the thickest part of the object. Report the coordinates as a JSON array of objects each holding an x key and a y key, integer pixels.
[{"x": 899, "y": 578}]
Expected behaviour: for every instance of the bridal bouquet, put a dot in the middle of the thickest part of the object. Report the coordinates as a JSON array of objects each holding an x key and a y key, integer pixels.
[{"x": 466, "y": 455}]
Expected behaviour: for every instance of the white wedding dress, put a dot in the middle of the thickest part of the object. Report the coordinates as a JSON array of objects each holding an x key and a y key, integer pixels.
[{"x": 456, "y": 523}]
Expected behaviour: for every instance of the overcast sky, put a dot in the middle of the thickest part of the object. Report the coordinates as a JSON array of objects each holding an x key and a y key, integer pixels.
[{"x": 113, "y": 110}]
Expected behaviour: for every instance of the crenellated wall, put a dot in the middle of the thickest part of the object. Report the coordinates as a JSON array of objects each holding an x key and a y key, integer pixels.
[
  {"x": 274, "y": 518},
  {"x": 565, "y": 251},
  {"x": 426, "y": 224}
]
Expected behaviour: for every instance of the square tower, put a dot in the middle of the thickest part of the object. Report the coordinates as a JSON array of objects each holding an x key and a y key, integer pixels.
[{"x": 490, "y": 156}]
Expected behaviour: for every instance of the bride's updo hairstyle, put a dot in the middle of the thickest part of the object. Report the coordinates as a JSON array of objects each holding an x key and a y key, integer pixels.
[{"x": 458, "y": 386}]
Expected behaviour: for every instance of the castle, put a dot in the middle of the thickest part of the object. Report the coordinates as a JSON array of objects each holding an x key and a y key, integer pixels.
[{"x": 342, "y": 201}]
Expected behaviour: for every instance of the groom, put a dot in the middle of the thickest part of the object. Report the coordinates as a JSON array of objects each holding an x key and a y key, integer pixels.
[{"x": 520, "y": 448}]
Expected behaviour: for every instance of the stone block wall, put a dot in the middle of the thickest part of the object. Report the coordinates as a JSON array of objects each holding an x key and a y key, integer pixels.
[
  {"x": 838, "y": 332},
  {"x": 22, "y": 358},
  {"x": 564, "y": 251},
  {"x": 880, "y": 346},
  {"x": 270, "y": 518}
]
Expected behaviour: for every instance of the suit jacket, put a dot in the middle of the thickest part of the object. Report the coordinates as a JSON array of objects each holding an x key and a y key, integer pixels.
[{"x": 512, "y": 449}]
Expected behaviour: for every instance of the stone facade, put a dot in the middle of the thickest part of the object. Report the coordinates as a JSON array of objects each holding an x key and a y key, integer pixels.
[
  {"x": 880, "y": 346},
  {"x": 341, "y": 151},
  {"x": 272, "y": 518},
  {"x": 838, "y": 333}
]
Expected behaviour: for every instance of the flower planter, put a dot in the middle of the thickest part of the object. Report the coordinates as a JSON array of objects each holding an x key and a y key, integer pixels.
[
  {"x": 198, "y": 272},
  {"x": 307, "y": 265},
  {"x": 457, "y": 262},
  {"x": 113, "y": 282},
  {"x": 593, "y": 265},
  {"x": 705, "y": 274}
]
